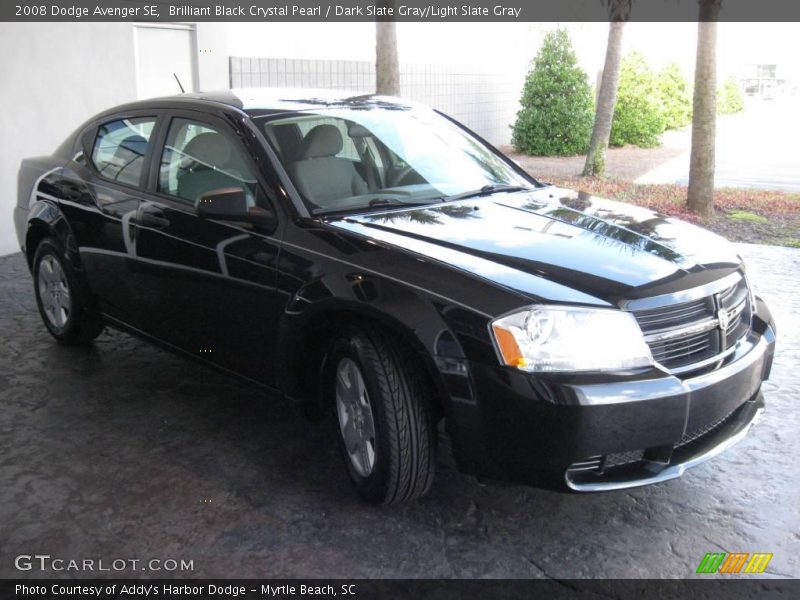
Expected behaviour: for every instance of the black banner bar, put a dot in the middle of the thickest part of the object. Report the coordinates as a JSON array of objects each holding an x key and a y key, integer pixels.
[
  {"x": 375, "y": 10},
  {"x": 251, "y": 589}
]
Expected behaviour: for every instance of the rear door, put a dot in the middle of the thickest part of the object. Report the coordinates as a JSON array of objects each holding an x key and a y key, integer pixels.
[
  {"x": 211, "y": 283},
  {"x": 114, "y": 169}
]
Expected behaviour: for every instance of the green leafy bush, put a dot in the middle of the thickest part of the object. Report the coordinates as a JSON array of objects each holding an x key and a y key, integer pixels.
[
  {"x": 638, "y": 117},
  {"x": 676, "y": 97},
  {"x": 557, "y": 106},
  {"x": 729, "y": 98}
]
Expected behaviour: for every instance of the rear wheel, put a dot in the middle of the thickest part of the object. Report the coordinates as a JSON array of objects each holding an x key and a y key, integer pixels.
[
  {"x": 61, "y": 302},
  {"x": 386, "y": 430}
]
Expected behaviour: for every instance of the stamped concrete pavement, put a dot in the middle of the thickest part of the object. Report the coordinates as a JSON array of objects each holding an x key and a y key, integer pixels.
[{"x": 124, "y": 451}]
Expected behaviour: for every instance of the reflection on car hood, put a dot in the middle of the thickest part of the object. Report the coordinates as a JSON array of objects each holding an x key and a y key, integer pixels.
[{"x": 557, "y": 244}]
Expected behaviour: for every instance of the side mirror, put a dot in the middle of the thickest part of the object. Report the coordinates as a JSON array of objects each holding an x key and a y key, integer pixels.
[{"x": 230, "y": 204}]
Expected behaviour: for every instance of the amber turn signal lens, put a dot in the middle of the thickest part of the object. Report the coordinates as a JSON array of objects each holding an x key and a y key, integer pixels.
[{"x": 512, "y": 355}]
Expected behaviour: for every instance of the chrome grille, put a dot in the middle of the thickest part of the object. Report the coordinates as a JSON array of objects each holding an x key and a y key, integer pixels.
[
  {"x": 677, "y": 314},
  {"x": 694, "y": 332},
  {"x": 685, "y": 349}
]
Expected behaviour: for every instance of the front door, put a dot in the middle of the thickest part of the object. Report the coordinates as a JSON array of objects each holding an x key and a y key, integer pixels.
[{"x": 211, "y": 282}]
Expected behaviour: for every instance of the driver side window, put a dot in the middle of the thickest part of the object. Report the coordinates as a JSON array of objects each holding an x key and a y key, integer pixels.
[{"x": 198, "y": 158}]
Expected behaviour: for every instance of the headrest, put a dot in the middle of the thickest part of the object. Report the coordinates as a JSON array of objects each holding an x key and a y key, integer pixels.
[
  {"x": 133, "y": 143},
  {"x": 322, "y": 140},
  {"x": 356, "y": 130},
  {"x": 210, "y": 148}
]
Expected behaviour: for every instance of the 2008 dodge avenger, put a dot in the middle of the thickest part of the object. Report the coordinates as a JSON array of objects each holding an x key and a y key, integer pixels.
[{"x": 378, "y": 262}]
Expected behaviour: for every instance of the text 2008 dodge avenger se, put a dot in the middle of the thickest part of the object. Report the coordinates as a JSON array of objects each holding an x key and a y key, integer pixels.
[{"x": 374, "y": 259}]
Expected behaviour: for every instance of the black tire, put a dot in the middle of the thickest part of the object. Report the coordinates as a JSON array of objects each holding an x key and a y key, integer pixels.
[
  {"x": 76, "y": 324},
  {"x": 405, "y": 434}
]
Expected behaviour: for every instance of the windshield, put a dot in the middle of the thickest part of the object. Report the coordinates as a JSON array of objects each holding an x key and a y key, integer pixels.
[{"x": 351, "y": 159}]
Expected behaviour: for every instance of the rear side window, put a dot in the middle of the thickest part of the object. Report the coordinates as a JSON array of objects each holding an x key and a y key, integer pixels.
[{"x": 120, "y": 148}]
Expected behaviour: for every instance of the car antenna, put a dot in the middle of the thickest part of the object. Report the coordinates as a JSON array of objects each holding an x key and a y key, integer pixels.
[{"x": 175, "y": 75}]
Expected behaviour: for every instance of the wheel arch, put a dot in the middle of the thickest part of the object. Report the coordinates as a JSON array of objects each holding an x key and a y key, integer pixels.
[
  {"x": 46, "y": 220},
  {"x": 305, "y": 343}
]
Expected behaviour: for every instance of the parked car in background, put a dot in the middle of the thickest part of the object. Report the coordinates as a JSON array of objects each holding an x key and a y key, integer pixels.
[{"x": 378, "y": 262}]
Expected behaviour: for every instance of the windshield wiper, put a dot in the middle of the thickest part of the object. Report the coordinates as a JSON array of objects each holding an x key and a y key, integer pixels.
[
  {"x": 486, "y": 190},
  {"x": 376, "y": 203}
]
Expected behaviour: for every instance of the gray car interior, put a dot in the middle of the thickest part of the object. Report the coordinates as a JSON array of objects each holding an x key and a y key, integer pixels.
[{"x": 319, "y": 174}]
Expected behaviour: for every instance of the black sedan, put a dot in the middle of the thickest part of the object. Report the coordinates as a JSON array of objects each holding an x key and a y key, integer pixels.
[{"x": 378, "y": 262}]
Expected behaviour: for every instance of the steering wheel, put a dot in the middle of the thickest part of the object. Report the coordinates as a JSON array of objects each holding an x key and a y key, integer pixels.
[{"x": 398, "y": 179}]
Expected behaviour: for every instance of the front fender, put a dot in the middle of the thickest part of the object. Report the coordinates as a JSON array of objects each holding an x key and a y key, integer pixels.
[{"x": 448, "y": 339}]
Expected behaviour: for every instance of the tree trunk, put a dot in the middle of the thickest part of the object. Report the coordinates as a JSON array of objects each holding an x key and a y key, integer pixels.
[
  {"x": 619, "y": 11},
  {"x": 387, "y": 65},
  {"x": 700, "y": 198},
  {"x": 606, "y": 100}
]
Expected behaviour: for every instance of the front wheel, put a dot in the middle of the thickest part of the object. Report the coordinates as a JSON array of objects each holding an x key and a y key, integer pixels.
[
  {"x": 386, "y": 428},
  {"x": 61, "y": 302}
]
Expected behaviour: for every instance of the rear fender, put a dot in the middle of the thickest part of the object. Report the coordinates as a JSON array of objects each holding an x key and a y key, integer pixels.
[{"x": 46, "y": 220}]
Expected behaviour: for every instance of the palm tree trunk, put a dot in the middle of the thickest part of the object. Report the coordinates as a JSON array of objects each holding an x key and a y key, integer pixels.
[
  {"x": 700, "y": 198},
  {"x": 606, "y": 100},
  {"x": 387, "y": 65}
]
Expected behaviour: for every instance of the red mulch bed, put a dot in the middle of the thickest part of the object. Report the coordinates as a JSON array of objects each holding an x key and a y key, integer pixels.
[{"x": 771, "y": 217}]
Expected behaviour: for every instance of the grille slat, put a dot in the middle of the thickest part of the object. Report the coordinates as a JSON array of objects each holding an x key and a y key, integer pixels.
[
  {"x": 669, "y": 320},
  {"x": 651, "y": 320},
  {"x": 681, "y": 347},
  {"x": 683, "y": 350}
]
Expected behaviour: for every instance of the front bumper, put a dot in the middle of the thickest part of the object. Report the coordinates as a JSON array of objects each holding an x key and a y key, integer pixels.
[
  {"x": 596, "y": 433},
  {"x": 642, "y": 469}
]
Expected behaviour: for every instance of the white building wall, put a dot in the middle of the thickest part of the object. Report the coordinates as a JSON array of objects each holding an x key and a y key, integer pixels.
[{"x": 55, "y": 76}]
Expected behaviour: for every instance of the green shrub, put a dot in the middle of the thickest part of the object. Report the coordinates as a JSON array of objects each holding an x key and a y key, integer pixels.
[
  {"x": 676, "y": 97},
  {"x": 557, "y": 107},
  {"x": 729, "y": 98},
  {"x": 638, "y": 117}
]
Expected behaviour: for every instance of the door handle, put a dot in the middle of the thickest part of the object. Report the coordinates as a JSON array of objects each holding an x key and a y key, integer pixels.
[{"x": 153, "y": 217}]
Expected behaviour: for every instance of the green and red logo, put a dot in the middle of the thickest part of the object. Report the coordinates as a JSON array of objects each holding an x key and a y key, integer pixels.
[{"x": 734, "y": 562}]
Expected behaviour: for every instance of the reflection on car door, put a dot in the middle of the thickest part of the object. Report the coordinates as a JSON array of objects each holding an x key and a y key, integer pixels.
[
  {"x": 115, "y": 170},
  {"x": 212, "y": 282}
]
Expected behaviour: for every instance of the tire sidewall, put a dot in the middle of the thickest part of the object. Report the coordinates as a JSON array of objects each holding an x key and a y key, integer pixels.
[{"x": 373, "y": 487}]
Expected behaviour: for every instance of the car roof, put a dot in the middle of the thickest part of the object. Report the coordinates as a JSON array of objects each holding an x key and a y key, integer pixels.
[{"x": 257, "y": 101}]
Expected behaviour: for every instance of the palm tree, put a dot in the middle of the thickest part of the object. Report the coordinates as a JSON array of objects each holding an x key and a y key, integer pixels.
[
  {"x": 619, "y": 11},
  {"x": 700, "y": 198},
  {"x": 387, "y": 65}
]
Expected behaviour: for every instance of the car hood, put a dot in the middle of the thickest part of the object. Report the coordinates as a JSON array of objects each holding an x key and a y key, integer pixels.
[{"x": 557, "y": 244}]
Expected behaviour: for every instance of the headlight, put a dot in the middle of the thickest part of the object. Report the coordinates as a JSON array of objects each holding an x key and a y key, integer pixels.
[{"x": 556, "y": 338}]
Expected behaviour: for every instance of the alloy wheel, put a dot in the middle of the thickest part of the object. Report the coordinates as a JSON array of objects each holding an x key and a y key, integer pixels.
[
  {"x": 54, "y": 291},
  {"x": 356, "y": 421}
]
